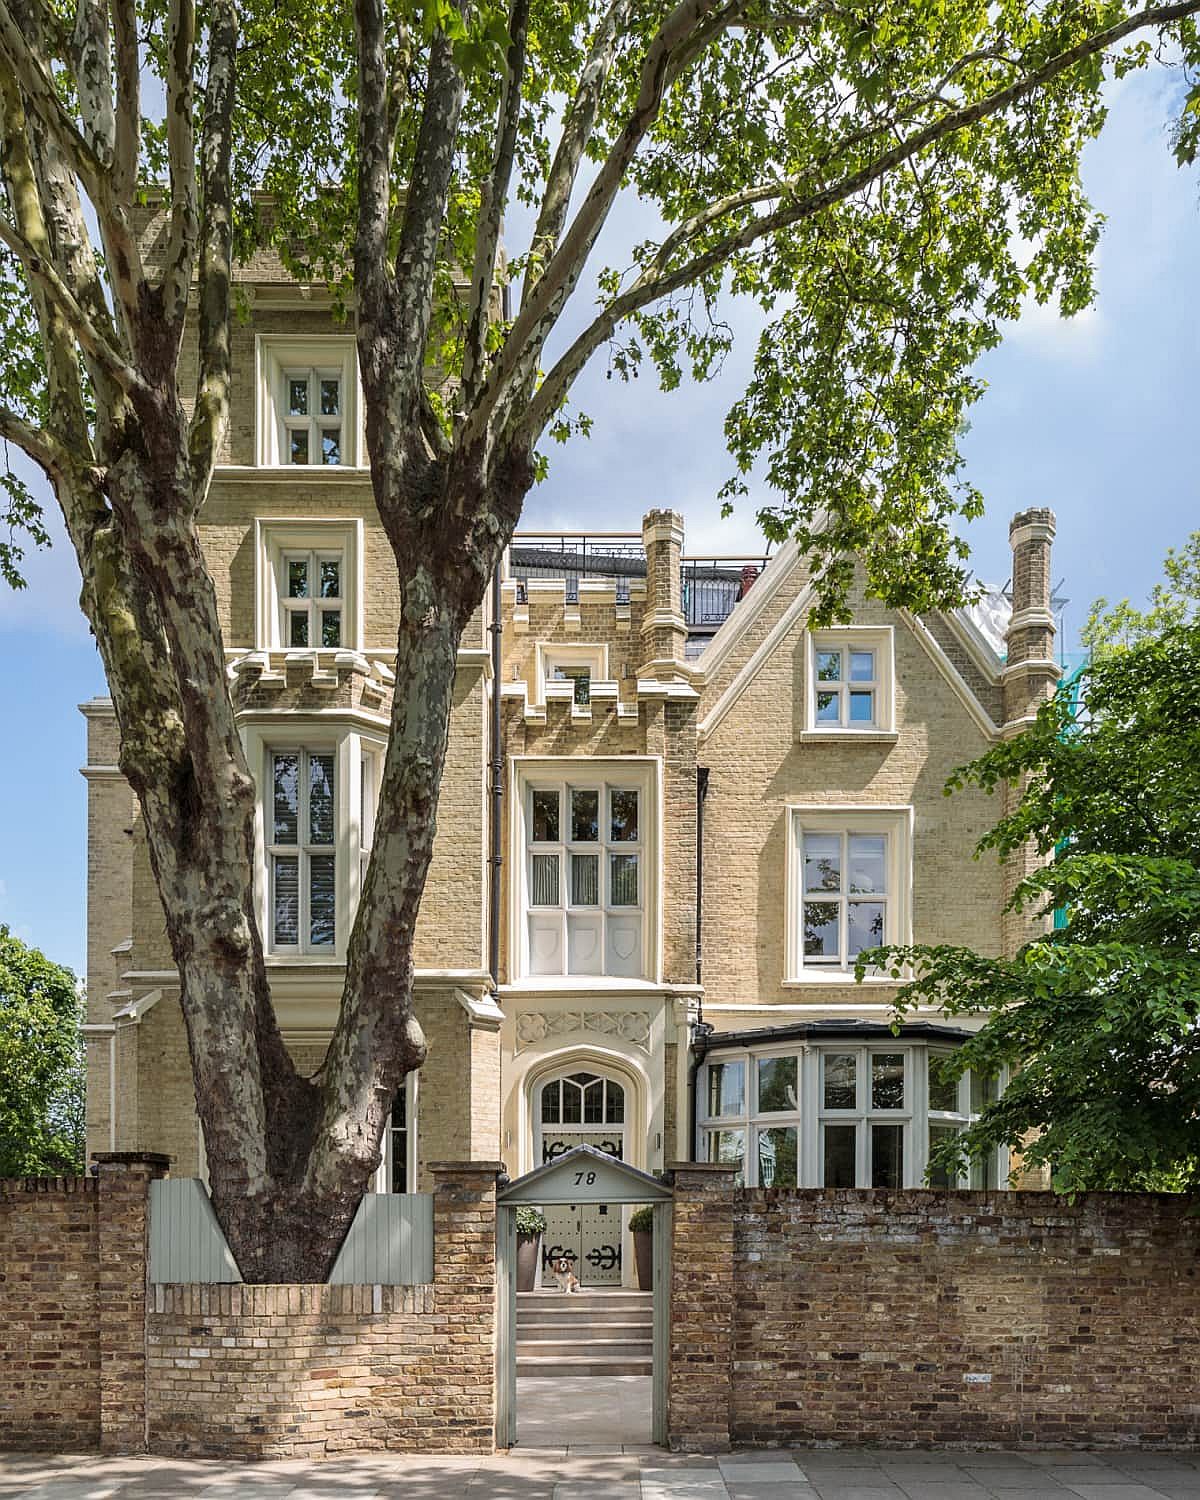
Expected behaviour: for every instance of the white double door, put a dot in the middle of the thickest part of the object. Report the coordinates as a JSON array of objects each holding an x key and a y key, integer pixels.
[{"x": 588, "y": 1234}]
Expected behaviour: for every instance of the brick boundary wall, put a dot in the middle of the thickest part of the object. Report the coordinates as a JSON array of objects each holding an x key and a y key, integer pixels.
[
  {"x": 925, "y": 1318},
  {"x": 308, "y": 1371}
]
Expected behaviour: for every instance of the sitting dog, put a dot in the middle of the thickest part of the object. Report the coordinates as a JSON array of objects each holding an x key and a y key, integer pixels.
[{"x": 563, "y": 1270}]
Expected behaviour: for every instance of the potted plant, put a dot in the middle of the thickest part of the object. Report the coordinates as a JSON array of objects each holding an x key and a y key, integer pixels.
[
  {"x": 641, "y": 1224},
  {"x": 531, "y": 1225}
]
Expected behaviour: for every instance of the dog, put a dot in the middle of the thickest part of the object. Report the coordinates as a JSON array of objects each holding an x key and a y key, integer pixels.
[{"x": 563, "y": 1270}]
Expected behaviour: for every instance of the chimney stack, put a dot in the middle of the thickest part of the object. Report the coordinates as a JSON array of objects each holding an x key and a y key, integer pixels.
[
  {"x": 664, "y": 629},
  {"x": 1031, "y": 671}
]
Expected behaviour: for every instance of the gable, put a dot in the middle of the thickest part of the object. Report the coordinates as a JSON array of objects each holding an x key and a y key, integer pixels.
[{"x": 584, "y": 1175}]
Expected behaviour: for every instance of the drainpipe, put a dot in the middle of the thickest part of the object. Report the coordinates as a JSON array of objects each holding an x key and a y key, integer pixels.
[
  {"x": 701, "y": 1030},
  {"x": 496, "y": 790}
]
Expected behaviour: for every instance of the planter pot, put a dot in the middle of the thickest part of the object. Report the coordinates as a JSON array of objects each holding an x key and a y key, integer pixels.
[
  {"x": 529, "y": 1261},
  {"x": 643, "y": 1255}
]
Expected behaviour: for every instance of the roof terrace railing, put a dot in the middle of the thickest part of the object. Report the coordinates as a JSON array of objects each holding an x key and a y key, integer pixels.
[{"x": 711, "y": 585}]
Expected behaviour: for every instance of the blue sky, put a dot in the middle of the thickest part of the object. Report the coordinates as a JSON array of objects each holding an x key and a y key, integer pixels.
[{"x": 1089, "y": 416}]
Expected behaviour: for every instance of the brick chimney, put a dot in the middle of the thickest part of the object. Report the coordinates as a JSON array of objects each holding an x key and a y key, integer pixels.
[
  {"x": 1029, "y": 678},
  {"x": 664, "y": 629},
  {"x": 1031, "y": 671}
]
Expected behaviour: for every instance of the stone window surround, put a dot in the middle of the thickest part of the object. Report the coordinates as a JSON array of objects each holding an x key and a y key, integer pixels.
[
  {"x": 551, "y": 655},
  {"x": 810, "y": 1116},
  {"x": 894, "y": 821},
  {"x": 276, "y": 353},
  {"x": 877, "y": 638},
  {"x": 643, "y": 771},
  {"x": 276, "y": 536},
  {"x": 349, "y": 743}
]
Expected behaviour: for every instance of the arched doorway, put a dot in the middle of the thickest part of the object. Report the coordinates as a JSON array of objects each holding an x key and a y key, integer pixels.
[{"x": 581, "y": 1106}]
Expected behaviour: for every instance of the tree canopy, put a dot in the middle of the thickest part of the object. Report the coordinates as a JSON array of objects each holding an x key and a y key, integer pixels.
[
  {"x": 1098, "y": 1017},
  {"x": 890, "y": 180},
  {"x": 1175, "y": 601},
  {"x": 41, "y": 1064}
]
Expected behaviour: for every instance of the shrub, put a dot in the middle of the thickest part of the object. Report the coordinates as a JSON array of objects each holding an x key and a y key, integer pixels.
[
  {"x": 530, "y": 1221},
  {"x": 641, "y": 1221}
]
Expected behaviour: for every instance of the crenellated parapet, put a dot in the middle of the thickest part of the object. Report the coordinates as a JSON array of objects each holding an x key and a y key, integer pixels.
[{"x": 310, "y": 681}]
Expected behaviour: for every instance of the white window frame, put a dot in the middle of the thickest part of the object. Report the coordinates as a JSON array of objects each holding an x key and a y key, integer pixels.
[
  {"x": 879, "y": 639},
  {"x": 551, "y": 658},
  {"x": 642, "y": 773},
  {"x": 303, "y": 851},
  {"x": 276, "y": 539},
  {"x": 279, "y": 356},
  {"x": 810, "y": 1117},
  {"x": 896, "y": 825},
  {"x": 382, "y": 1181},
  {"x": 349, "y": 742}
]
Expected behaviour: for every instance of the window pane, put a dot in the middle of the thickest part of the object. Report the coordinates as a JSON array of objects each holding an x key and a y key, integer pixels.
[
  {"x": 777, "y": 1084},
  {"x": 983, "y": 1091},
  {"x": 866, "y": 926},
  {"x": 726, "y": 1088},
  {"x": 543, "y": 880},
  {"x": 887, "y": 1080},
  {"x": 729, "y": 1147},
  {"x": 298, "y": 627},
  {"x": 983, "y": 1173},
  {"x": 623, "y": 807},
  {"x": 943, "y": 1090},
  {"x": 331, "y": 445},
  {"x": 545, "y": 818},
  {"x": 298, "y": 396},
  {"x": 320, "y": 799},
  {"x": 581, "y": 677},
  {"x": 938, "y": 1176},
  {"x": 840, "y": 1142},
  {"x": 285, "y": 777},
  {"x": 321, "y": 905},
  {"x": 862, "y": 666},
  {"x": 827, "y": 708},
  {"x": 623, "y": 870},
  {"x": 829, "y": 666},
  {"x": 585, "y": 880},
  {"x": 841, "y": 1089},
  {"x": 572, "y": 1098},
  {"x": 331, "y": 396},
  {"x": 821, "y": 930},
  {"x": 331, "y": 578},
  {"x": 887, "y": 1156},
  {"x": 593, "y": 1103},
  {"x": 286, "y": 901},
  {"x": 616, "y": 1103},
  {"x": 297, "y": 577},
  {"x": 298, "y": 445},
  {"x": 331, "y": 627},
  {"x": 585, "y": 817},
  {"x": 862, "y": 708},
  {"x": 822, "y": 861},
  {"x": 777, "y": 1157},
  {"x": 868, "y": 863},
  {"x": 551, "y": 1103}
]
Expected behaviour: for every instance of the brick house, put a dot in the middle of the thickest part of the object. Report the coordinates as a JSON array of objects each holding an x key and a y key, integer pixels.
[{"x": 704, "y": 808}]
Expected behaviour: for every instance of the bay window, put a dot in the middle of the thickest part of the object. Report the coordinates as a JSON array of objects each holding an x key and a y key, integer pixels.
[
  {"x": 838, "y": 1114},
  {"x": 585, "y": 872},
  {"x": 301, "y": 852}
]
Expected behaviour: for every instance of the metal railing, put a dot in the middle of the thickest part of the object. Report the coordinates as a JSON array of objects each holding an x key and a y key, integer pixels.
[{"x": 711, "y": 586}]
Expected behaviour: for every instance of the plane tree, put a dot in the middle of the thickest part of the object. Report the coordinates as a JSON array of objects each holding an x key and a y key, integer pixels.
[{"x": 888, "y": 179}]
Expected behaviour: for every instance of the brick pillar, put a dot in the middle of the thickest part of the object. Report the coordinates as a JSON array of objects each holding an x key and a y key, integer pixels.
[
  {"x": 1029, "y": 677},
  {"x": 464, "y": 1289},
  {"x": 700, "y": 1365},
  {"x": 664, "y": 629},
  {"x": 123, "y": 1218}
]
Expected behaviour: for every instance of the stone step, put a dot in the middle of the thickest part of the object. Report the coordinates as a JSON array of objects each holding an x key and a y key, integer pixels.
[
  {"x": 557, "y": 1367},
  {"x": 582, "y": 1328},
  {"x": 589, "y": 1298},
  {"x": 592, "y": 1349}
]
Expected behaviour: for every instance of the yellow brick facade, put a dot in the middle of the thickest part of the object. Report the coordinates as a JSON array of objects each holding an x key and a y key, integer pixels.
[{"x": 736, "y": 711}]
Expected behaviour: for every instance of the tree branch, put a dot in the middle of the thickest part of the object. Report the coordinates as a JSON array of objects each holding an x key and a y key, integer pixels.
[
  {"x": 128, "y": 133},
  {"x": 41, "y": 269},
  {"x": 371, "y": 274},
  {"x": 91, "y": 52},
  {"x": 543, "y": 305},
  {"x": 180, "y": 255},
  {"x": 43, "y": 447},
  {"x": 425, "y": 207},
  {"x": 492, "y": 200},
  {"x": 216, "y": 247},
  {"x": 650, "y": 288}
]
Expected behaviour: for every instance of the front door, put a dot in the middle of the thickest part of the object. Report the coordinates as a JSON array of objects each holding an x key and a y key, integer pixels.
[{"x": 582, "y": 1109}]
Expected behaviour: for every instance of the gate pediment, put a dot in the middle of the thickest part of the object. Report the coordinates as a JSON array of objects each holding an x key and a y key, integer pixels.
[{"x": 585, "y": 1175}]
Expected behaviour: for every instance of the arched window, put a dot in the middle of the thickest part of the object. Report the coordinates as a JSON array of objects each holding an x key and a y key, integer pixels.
[{"x": 582, "y": 1099}]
